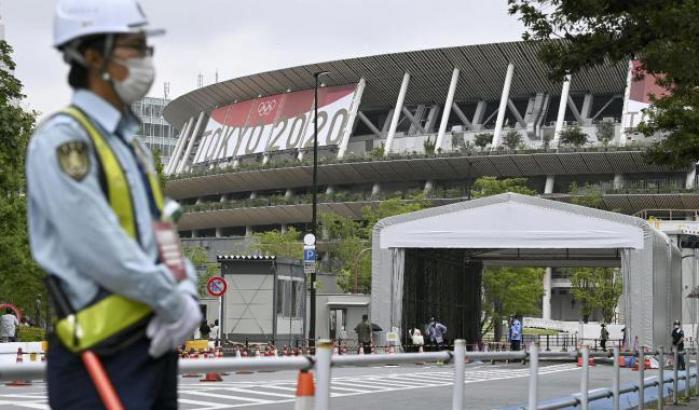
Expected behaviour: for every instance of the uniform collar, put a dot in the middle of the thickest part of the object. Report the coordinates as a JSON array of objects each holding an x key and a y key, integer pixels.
[{"x": 109, "y": 118}]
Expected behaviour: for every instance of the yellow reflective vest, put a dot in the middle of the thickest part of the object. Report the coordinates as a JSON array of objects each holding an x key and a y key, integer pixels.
[{"x": 112, "y": 315}]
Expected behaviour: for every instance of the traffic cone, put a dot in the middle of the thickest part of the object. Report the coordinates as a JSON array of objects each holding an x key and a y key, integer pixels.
[
  {"x": 19, "y": 383},
  {"x": 361, "y": 350},
  {"x": 305, "y": 391},
  {"x": 212, "y": 377}
]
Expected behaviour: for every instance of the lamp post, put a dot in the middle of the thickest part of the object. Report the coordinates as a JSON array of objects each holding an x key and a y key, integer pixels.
[{"x": 314, "y": 218}]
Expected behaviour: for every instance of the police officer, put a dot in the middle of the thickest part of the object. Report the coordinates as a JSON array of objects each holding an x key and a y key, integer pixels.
[{"x": 94, "y": 209}]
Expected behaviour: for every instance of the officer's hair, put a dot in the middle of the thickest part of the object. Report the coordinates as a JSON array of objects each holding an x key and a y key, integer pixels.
[
  {"x": 78, "y": 75},
  {"x": 8, "y": 310}
]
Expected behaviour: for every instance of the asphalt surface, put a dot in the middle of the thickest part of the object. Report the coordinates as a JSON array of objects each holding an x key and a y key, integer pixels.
[{"x": 366, "y": 388}]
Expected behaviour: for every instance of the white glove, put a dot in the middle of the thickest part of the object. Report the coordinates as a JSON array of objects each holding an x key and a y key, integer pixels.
[{"x": 165, "y": 337}]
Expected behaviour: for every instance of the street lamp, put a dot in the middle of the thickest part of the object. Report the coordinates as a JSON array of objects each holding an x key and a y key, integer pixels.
[{"x": 314, "y": 218}]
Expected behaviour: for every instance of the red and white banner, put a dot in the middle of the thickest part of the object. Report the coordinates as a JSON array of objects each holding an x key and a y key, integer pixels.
[
  {"x": 639, "y": 92},
  {"x": 277, "y": 122}
]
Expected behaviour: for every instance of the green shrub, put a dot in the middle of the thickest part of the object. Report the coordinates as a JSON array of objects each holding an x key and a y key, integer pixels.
[{"x": 30, "y": 334}]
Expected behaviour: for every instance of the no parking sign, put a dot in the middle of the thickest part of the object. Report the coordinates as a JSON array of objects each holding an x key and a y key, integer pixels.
[{"x": 216, "y": 286}]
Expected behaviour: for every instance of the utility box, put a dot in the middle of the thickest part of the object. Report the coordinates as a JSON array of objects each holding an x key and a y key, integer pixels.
[{"x": 265, "y": 300}]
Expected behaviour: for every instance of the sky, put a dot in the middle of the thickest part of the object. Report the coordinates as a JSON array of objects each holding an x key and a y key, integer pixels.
[{"x": 240, "y": 37}]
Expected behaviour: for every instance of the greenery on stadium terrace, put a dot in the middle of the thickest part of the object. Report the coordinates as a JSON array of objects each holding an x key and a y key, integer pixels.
[{"x": 202, "y": 170}]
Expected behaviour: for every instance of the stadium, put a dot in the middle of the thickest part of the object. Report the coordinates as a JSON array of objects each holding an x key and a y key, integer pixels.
[{"x": 428, "y": 121}]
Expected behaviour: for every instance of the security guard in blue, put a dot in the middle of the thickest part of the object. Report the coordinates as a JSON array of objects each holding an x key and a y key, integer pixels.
[{"x": 94, "y": 204}]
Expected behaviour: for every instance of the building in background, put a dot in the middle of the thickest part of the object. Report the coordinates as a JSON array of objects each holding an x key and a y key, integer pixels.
[
  {"x": 428, "y": 121},
  {"x": 155, "y": 131}
]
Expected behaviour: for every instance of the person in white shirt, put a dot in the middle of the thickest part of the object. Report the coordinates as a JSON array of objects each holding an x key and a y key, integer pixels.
[
  {"x": 213, "y": 335},
  {"x": 8, "y": 326}
]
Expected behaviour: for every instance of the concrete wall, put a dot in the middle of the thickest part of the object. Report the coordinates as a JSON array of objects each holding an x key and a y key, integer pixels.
[{"x": 354, "y": 305}]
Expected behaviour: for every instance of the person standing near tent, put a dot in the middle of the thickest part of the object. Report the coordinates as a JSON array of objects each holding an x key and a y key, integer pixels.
[
  {"x": 603, "y": 337},
  {"x": 515, "y": 334},
  {"x": 97, "y": 220},
  {"x": 678, "y": 343},
  {"x": 435, "y": 332},
  {"x": 363, "y": 330}
]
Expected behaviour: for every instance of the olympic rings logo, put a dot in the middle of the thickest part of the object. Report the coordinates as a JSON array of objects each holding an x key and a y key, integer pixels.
[{"x": 265, "y": 108}]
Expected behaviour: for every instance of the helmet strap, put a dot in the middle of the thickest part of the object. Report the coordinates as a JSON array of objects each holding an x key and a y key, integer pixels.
[{"x": 106, "y": 56}]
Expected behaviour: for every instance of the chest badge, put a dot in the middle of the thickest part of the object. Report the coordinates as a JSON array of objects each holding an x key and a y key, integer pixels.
[{"x": 74, "y": 159}]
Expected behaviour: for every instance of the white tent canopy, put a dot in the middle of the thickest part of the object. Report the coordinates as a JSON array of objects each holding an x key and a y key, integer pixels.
[{"x": 519, "y": 229}]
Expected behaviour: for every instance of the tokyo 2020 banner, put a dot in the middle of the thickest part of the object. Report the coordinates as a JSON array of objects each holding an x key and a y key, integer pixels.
[{"x": 277, "y": 122}]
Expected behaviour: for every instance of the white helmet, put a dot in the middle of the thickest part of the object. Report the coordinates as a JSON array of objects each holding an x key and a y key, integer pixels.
[{"x": 79, "y": 18}]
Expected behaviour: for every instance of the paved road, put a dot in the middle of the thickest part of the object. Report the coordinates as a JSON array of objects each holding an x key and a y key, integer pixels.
[{"x": 381, "y": 388}]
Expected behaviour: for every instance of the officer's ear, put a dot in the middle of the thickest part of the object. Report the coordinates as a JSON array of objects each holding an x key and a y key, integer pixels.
[{"x": 93, "y": 59}]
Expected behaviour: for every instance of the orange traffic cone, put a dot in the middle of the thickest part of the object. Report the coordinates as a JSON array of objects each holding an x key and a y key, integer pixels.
[
  {"x": 18, "y": 383},
  {"x": 212, "y": 377},
  {"x": 305, "y": 391}
]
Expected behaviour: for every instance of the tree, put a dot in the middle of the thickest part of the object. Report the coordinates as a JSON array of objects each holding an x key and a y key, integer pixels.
[
  {"x": 428, "y": 145},
  {"x": 509, "y": 291},
  {"x": 597, "y": 288},
  {"x": 487, "y": 186},
  {"x": 159, "y": 168},
  {"x": 588, "y": 196},
  {"x": 482, "y": 140},
  {"x": 279, "y": 243},
  {"x": 349, "y": 241},
  {"x": 660, "y": 34},
  {"x": 205, "y": 268},
  {"x": 512, "y": 139},
  {"x": 605, "y": 132},
  {"x": 574, "y": 136},
  {"x": 21, "y": 280}
]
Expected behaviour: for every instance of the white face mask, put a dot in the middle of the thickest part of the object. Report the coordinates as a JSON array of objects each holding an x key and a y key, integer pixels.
[{"x": 138, "y": 83}]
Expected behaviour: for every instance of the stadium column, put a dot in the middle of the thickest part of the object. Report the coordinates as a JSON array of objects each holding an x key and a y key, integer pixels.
[
  {"x": 546, "y": 300},
  {"x": 691, "y": 181},
  {"x": 396, "y": 113},
  {"x": 181, "y": 140},
  {"x": 548, "y": 189},
  {"x": 354, "y": 109},
  {"x": 447, "y": 110},
  {"x": 190, "y": 144},
  {"x": 479, "y": 115},
  {"x": 503, "y": 106}
]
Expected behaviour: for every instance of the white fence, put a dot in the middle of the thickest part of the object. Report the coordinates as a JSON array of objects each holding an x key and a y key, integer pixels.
[{"x": 324, "y": 361}]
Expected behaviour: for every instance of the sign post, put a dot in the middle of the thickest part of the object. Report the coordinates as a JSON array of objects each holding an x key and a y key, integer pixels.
[{"x": 217, "y": 286}]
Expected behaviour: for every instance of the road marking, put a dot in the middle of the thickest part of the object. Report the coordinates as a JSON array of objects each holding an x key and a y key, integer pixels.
[
  {"x": 226, "y": 396},
  {"x": 263, "y": 393},
  {"x": 231, "y": 395}
]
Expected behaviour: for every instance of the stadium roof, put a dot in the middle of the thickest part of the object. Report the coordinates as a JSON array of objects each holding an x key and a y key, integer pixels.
[{"x": 482, "y": 69}]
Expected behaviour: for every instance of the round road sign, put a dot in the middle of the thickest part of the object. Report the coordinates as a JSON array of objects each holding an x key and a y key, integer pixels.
[{"x": 216, "y": 286}]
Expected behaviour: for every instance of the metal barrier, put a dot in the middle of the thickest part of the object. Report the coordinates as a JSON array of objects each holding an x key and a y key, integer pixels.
[{"x": 323, "y": 362}]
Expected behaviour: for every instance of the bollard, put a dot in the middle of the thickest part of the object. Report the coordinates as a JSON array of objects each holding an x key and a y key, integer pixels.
[
  {"x": 686, "y": 374},
  {"x": 674, "y": 375},
  {"x": 323, "y": 376},
  {"x": 457, "y": 402},
  {"x": 641, "y": 376},
  {"x": 696, "y": 365},
  {"x": 547, "y": 343},
  {"x": 661, "y": 377},
  {"x": 534, "y": 375},
  {"x": 615, "y": 382},
  {"x": 585, "y": 381}
]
